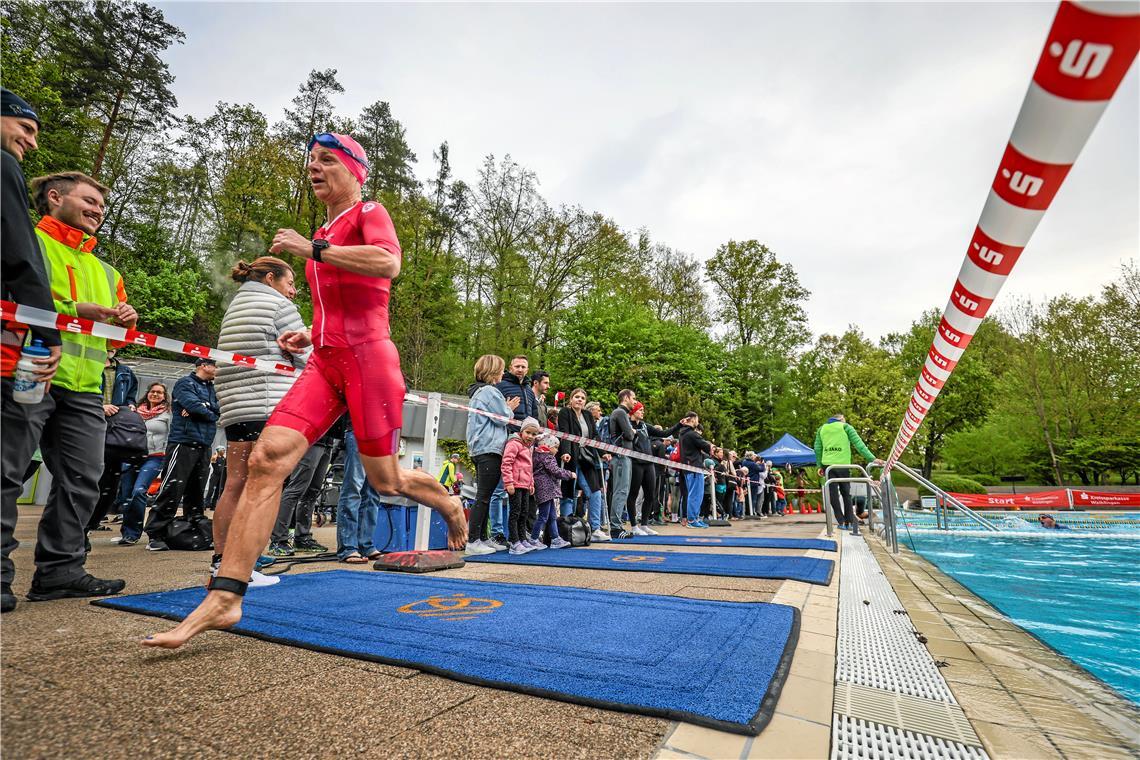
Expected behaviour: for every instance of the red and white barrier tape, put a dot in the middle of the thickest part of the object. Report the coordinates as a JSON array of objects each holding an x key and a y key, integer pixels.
[
  {"x": 1089, "y": 49},
  {"x": 29, "y": 315}
]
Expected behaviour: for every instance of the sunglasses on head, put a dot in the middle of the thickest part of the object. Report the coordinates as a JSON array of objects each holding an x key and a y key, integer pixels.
[{"x": 327, "y": 140}]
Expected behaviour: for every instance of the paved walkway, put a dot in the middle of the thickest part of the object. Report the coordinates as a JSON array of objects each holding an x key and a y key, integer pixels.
[{"x": 76, "y": 683}]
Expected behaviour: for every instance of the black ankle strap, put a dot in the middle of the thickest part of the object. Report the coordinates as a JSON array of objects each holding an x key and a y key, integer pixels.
[{"x": 233, "y": 585}]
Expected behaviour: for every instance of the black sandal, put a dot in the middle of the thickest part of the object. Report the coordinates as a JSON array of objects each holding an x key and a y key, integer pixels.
[{"x": 232, "y": 585}]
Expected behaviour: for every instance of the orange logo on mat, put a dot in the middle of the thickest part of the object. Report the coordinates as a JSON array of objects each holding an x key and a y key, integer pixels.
[
  {"x": 638, "y": 558},
  {"x": 453, "y": 607}
]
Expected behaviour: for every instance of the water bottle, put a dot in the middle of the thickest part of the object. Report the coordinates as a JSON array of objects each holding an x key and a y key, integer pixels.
[{"x": 27, "y": 388}]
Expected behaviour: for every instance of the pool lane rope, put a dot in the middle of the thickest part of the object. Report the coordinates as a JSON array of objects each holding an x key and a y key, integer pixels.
[
  {"x": 1089, "y": 49},
  {"x": 30, "y": 315}
]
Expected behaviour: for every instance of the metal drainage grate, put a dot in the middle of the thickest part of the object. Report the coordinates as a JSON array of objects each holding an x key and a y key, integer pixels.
[
  {"x": 890, "y": 699},
  {"x": 877, "y": 647},
  {"x": 856, "y": 738},
  {"x": 914, "y": 714}
]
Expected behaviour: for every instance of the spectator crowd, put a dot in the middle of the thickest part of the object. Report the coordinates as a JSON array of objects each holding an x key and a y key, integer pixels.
[{"x": 158, "y": 450}]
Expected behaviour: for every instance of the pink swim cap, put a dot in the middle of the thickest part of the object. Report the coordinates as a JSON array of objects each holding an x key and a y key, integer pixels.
[{"x": 347, "y": 150}]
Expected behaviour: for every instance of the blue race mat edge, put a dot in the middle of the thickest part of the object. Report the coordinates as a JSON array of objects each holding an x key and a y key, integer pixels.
[{"x": 754, "y": 727}]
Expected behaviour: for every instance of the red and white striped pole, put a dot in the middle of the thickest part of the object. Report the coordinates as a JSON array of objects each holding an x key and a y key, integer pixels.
[{"x": 1088, "y": 51}]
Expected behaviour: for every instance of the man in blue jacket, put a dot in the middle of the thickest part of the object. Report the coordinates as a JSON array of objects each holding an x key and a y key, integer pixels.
[
  {"x": 195, "y": 415},
  {"x": 516, "y": 384}
]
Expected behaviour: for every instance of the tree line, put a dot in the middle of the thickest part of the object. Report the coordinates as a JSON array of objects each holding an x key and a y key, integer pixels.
[{"x": 1048, "y": 389}]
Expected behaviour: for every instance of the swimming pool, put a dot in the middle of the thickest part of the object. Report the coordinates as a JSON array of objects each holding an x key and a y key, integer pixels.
[{"x": 1078, "y": 593}]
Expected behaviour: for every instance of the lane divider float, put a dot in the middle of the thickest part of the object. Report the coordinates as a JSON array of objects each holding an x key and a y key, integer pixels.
[{"x": 1089, "y": 49}]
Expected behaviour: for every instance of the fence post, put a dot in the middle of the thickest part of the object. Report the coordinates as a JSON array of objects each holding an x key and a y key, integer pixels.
[
  {"x": 1069, "y": 494},
  {"x": 431, "y": 438}
]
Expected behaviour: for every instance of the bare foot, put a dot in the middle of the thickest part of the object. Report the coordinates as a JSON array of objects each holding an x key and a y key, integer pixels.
[
  {"x": 219, "y": 610},
  {"x": 456, "y": 525}
]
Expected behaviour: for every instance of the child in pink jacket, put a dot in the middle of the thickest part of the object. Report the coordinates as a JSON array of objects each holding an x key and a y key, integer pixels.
[{"x": 518, "y": 481}]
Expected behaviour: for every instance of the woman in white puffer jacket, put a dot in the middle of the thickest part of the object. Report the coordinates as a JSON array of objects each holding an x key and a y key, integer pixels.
[{"x": 262, "y": 310}]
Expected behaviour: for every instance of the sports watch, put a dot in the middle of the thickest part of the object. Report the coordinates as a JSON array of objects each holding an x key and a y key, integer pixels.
[{"x": 318, "y": 248}]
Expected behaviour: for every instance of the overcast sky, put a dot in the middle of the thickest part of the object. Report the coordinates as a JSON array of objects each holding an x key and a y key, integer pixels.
[{"x": 857, "y": 141}]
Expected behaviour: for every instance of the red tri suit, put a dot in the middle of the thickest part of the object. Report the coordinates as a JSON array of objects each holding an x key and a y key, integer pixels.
[{"x": 355, "y": 365}]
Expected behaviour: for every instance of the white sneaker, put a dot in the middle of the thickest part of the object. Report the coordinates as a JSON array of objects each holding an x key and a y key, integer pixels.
[
  {"x": 559, "y": 543},
  {"x": 496, "y": 547},
  {"x": 260, "y": 580},
  {"x": 256, "y": 580},
  {"x": 476, "y": 548},
  {"x": 638, "y": 531},
  {"x": 647, "y": 531},
  {"x": 537, "y": 545},
  {"x": 519, "y": 548},
  {"x": 599, "y": 535}
]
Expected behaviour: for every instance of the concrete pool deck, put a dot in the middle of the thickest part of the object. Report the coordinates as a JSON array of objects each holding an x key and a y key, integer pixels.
[{"x": 73, "y": 680}]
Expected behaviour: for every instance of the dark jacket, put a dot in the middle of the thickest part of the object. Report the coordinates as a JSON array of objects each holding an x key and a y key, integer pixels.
[
  {"x": 547, "y": 475},
  {"x": 510, "y": 386},
  {"x": 197, "y": 397},
  {"x": 23, "y": 277},
  {"x": 694, "y": 448},
  {"x": 644, "y": 436},
  {"x": 126, "y": 390},
  {"x": 621, "y": 429},
  {"x": 583, "y": 458},
  {"x": 755, "y": 472}
]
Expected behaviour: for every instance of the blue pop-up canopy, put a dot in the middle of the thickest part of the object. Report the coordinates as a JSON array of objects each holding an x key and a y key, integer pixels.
[{"x": 788, "y": 450}]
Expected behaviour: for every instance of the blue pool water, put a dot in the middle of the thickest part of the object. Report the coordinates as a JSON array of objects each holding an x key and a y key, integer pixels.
[{"x": 1080, "y": 595}]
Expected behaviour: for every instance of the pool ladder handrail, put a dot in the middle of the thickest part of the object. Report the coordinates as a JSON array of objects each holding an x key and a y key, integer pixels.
[
  {"x": 872, "y": 484},
  {"x": 946, "y": 498}
]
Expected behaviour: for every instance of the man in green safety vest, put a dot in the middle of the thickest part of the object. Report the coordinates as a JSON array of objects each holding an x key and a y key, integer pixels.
[
  {"x": 69, "y": 423},
  {"x": 449, "y": 474},
  {"x": 833, "y": 442}
]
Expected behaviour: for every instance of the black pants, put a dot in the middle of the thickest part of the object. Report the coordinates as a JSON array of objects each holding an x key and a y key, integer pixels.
[
  {"x": 64, "y": 424},
  {"x": 114, "y": 458},
  {"x": 183, "y": 482},
  {"x": 662, "y": 491},
  {"x": 769, "y": 500},
  {"x": 680, "y": 509},
  {"x": 488, "y": 469},
  {"x": 216, "y": 484},
  {"x": 643, "y": 477},
  {"x": 726, "y": 500},
  {"x": 839, "y": 494},
  {"x": 299, "y": 495},
  {"x": 521, "y": 506}
]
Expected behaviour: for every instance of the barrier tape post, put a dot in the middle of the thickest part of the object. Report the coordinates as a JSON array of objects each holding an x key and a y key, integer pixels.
[
  {"x": 1088, "y": 50},
  {"x": 431, "y": 436}
]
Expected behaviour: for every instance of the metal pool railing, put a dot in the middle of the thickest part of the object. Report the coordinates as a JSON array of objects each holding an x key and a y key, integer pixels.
[{"x": 945, "y": 498}]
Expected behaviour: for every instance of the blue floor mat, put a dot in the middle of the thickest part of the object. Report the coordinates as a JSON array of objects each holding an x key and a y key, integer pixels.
[
  {"x": 733, "y": 542},
  {"x": 806, "y": 569},
  {"x": 718, "y": 664}
]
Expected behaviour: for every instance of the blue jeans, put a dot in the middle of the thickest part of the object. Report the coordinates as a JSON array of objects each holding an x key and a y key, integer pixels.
[
  {"x": 499, "y": 507},
  {"x": 695, "y": 488},
  {"x": 566, "y": 505},
  {"x": 594, "y": 499},
  {"x": 126, "y": 486},
  {"x": 357, "y": 507},
  {"x": 136, "y": 507}
]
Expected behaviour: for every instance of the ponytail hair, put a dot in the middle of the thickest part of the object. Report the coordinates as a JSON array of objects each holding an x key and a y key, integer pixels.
[{"x": 259, "y": 269}]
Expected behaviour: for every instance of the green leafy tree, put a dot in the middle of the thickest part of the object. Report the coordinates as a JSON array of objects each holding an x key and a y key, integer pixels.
[
  {"x": 384, "y": 139},
  {"x": 758, "y": 297},
  {"x": 966, "y": 398}
]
